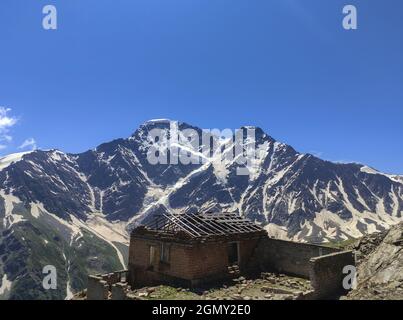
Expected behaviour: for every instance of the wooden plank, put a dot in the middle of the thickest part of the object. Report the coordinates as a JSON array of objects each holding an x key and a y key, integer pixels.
[{"x": 203, "y": 225}]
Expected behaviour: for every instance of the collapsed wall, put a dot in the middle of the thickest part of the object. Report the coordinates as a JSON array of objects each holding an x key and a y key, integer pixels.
[
  {"x": 100, "y": 286},
  {"x": 323, "y": 266},
  {"x": 288, "y": 257}
]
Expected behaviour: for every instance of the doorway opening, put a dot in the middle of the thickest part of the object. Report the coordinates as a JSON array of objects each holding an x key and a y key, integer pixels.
[{"x": 233, "y": 253}]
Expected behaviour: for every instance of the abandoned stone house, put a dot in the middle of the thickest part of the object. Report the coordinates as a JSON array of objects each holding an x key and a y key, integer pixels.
[{"x": 191, "y": 250}]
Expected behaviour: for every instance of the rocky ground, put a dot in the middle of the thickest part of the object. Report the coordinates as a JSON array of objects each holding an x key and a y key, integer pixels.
[
  {"x": 380, "y": 266},
  {"x": 268, "y": 287}
]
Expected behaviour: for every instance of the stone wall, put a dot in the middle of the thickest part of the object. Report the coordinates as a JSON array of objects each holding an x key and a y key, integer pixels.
[
  {"x": 323, "y": 266},
  {"x": 286, "y": 257},
  {"x": 326, "y": 273},
  {"x": 192, "y": 264},
  {"x": 99, "y": 287},
  {"x": 182, "y": 262}
]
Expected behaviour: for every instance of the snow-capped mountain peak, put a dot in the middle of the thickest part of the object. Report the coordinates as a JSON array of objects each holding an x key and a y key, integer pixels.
[{"x": 93, "y": 199}]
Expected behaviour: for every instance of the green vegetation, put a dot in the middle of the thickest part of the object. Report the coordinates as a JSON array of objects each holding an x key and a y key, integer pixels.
[
  {"x": 37, "y": 242},
  {"x": 340, "y": 244}
]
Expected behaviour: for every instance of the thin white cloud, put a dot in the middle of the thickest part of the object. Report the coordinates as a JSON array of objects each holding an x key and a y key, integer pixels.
[
  {"x": 7, "y": 138},
  {"x": 29, "y": 143},
  {"x": 6, "y": 122}
]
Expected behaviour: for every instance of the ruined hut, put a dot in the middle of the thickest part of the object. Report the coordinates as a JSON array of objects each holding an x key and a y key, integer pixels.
[{"x": 191, "y": 249}]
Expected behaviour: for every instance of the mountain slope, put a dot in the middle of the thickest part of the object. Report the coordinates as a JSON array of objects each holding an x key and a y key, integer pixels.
[{"x": 83, "y": 205}]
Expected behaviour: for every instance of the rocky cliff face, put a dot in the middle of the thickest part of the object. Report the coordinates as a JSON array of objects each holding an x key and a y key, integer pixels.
[{"x": 380, "y": 265}]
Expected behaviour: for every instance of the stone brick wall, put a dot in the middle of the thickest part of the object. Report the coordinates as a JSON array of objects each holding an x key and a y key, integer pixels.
[
  {"x": 321, "y": 265},
  {"x": 326, "y": 273},
  {"x": 206, "y": 260},
  {"x": 247, "y": 251},
  {"x": 99, "y": 286},
  {"x": 196, "y": 263},
  {"x": 287, "y": 257},
  {"x": 97, "y": 289}
]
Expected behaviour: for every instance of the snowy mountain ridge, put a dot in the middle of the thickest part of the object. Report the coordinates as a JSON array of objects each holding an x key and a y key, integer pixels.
[{"x": 75, "y": 211}]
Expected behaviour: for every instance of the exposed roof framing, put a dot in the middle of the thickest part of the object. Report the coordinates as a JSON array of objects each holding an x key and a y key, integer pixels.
[{"x": 202, "y": 225}]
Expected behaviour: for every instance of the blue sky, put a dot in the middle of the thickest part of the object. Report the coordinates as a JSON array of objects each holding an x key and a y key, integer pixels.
[{"x": 287, "y": 66}]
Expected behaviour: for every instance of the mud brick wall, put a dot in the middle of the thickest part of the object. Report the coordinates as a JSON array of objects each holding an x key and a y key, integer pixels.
[
  {"x": 206, "y": 259},
  {"x": 287, "y": 257},
  {"x": 196, "y": 263},
  {"x": 326, "y": 273},
  {"x": 211, "y": 259},
  {"x": 184, "y": 260},
  {"x": 97, "y": 289},
  {"x": 119, "y": 291},
  {"x": 247, "y": 250}
]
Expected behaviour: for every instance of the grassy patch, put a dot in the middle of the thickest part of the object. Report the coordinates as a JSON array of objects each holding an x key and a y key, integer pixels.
[{"x": 342, "y": 245}]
